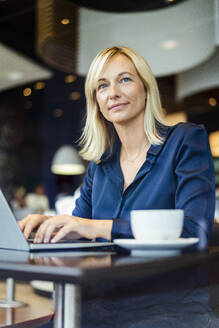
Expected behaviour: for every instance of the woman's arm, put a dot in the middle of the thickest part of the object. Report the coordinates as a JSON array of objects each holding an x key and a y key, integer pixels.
[
  {"x": 64, "y": 226},
  {"x": 195, "y": 192}
]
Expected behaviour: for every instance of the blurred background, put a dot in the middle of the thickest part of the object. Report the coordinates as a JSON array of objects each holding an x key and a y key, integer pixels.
[{"x": 46, "y": 47}]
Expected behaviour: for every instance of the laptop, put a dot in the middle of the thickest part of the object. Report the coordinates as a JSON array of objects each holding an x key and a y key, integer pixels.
[{"x": 11, "y": 237}]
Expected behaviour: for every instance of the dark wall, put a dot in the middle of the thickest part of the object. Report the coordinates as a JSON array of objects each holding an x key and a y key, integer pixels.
[{"x": 33, "y": 128}]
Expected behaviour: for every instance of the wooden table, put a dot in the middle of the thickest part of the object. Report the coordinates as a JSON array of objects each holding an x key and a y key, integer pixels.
[{"x": 106, "y": 274}]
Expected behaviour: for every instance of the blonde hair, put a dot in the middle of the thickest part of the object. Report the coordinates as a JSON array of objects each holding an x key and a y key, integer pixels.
[{"x": 98, "y": 133}]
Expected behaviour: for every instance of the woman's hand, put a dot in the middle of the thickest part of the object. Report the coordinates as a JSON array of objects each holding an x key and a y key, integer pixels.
[
  {"x": 31, "y": 222},
  {"x": 65, "y": 226}
]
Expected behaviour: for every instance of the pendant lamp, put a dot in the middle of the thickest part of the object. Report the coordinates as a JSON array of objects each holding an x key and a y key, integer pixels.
[{"x": 66, "y": 161}]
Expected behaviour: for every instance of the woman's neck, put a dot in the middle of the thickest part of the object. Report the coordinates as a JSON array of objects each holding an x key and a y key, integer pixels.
[{"x": 133, "y": 139}]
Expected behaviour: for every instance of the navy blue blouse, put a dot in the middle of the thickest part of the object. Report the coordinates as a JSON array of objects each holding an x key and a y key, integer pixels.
[{"x": 178, "y": 174}]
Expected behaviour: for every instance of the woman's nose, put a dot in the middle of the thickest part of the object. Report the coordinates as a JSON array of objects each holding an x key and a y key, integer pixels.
[{"x": 114, "y": 90}]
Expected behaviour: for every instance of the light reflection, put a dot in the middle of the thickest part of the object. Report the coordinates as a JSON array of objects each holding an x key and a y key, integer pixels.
[
  {"x": 212, "y": 101},
  {"x": 70, "y": 78},
  {"x": 65, "y": 21},
  {"x": 39, "y": 85},
  {"x": 15, "y": 76},
  {"x": 58, "y": 112},
  {"x": 27, "y": 92},
  {"x": 169, "y": 44},
  {"x": 75, "y": 95}
]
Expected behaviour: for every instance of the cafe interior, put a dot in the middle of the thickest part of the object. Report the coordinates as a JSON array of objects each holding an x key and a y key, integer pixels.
[{"x": 46, "y": 47}]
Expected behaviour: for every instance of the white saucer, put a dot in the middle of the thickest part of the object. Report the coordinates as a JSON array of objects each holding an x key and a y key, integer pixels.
[{"x": 176, "y": 244}]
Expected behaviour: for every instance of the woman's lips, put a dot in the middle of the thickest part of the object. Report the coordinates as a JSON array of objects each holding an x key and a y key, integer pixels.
[{"x": 117, "y": 106}]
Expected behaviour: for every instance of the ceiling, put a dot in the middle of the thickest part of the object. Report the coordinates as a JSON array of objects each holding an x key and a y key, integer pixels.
[
  {"x": 17, "y": 25},
  {"x": 18, "y": 18},
  {"x": 172, "y": 40},
  {"x": 19, "y": 64},
  {"x": 124, "y": 6}
]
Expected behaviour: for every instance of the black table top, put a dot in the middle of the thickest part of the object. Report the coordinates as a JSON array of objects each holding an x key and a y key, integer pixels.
[
  {"x": 130, "y": 291},
  {"x": 94, "y": 266}
]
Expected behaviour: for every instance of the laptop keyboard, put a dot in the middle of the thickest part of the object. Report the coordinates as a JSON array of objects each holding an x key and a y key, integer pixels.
[{"x": 62, "y": 241}]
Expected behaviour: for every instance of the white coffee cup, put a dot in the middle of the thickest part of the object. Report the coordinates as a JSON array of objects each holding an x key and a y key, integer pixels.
[{"x": 157, "y": 224}]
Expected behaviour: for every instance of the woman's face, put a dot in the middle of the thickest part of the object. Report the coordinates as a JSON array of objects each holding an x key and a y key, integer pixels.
[{"x": 120, "y": 93}]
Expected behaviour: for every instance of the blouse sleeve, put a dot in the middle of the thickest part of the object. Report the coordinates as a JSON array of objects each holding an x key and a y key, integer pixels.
[
  {"x": 83, "y": 205},
  {"x": 195, "y": 192},
  {"x": 121, "y": 229}
]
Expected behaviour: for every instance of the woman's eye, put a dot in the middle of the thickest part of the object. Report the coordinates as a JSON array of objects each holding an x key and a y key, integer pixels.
[
  {"x": 102, "y": 86},
  {"x": 126, "y": 79}
]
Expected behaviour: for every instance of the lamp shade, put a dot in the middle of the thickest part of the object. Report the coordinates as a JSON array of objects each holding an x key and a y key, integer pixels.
[{"x": 66, "y": 161}]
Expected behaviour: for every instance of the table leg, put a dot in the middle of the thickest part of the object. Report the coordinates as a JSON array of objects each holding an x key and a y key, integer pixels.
[
  {"x": 67, "y": 302},
  {"x": 9, "y": 302}
]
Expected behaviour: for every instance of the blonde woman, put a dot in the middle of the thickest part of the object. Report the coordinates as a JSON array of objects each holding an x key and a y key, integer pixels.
[{"x": 136, "y": 161}]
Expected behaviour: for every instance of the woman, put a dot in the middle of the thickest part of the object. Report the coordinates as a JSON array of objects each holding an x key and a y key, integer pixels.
[{"x": 137, "y": 162}]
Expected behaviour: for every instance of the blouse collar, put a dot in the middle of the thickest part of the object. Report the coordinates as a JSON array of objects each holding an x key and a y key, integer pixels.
[{"x": 154, "y": 150}]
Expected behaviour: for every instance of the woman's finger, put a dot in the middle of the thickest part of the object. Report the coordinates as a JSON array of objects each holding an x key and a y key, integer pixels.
[
  {"x": 31, "y": 222},
  {"x": 22, "y": 223},
  {"x": 39, "y": 236},
  {"x": 46, "y": 229},
  {"x": 49, "y": 230},
  {"x": 66, "y": 229},
  {"x": 29, "y": 226}
]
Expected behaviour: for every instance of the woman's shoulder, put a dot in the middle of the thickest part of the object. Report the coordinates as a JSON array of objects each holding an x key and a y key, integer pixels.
[
  {"x": 91, "y": 168},
  {"x": 189, "y": 135},
  {"x": 186, "y": 129},
  {"x": 93, "y": 165}
]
